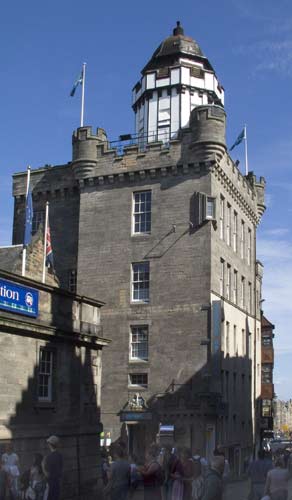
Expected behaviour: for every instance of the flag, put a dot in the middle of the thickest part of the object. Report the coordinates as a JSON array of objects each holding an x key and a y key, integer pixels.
[
  {"x": 239, "y": 139},
  {"x": 78, "y": 82},
  {"x": 28, "y": 218},
  {"x": 49, "y": 251}
]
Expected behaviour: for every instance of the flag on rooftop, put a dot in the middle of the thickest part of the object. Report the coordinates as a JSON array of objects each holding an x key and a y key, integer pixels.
[
  {"x": 28, "y": 218},
  {"x": 77, "y": 82},
  {"x": 49, "y": 250},
  {"x": 239, "y": 139}
]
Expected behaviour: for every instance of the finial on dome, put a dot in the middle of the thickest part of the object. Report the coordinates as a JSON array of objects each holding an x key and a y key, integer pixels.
[{"x": 178, "y": 30}]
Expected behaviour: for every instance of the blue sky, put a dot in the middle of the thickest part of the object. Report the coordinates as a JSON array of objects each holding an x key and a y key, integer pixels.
[{"x": 43, "y": 45}]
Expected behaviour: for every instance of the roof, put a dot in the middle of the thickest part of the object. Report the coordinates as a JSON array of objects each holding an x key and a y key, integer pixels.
[
  {"x": 266, "y": 323},
  {"x": 174, "y": 46}
]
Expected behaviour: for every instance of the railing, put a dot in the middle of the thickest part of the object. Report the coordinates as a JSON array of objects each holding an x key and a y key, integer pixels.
[{"x": 142, "y": 140}]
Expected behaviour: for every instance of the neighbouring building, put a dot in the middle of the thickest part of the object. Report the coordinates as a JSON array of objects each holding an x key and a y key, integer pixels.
[
  {"x": 282, "y": 411},
  {"x": 50, "y": 372},
  {"x": 267, "y": 386},
  {"x": 163, "y": 227}
]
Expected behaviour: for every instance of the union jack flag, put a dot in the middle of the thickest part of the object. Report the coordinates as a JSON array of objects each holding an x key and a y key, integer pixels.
[{"x": 49, "y": 251}]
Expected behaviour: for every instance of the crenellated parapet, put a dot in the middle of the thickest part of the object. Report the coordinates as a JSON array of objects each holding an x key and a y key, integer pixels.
[{"x": 208, "y": 125}]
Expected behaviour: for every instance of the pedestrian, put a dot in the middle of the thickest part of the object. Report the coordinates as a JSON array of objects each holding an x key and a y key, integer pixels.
[
  {"x": 166, "y": 458},
  {"x": 203, "y": 462},
  {"x": 257, "y": 472},
  {"x": 276, "y": 486},
  {"x": 198, "y": 481},
  {"x": 37, "y": 480},
  {"x": 135, "y": 476},
  {"x": 53, "y": 469},
  {"x": 213, "y": 485},
  {"x": 177, "y": 474},
  {"x": 3, "y": 480},
  {"x": 226, "y": 473},
  {"x": 10, "y": 463},
  {"x": 152, "y": 475},
  {"x": 189, "y": 471},
  {"x": 118, "y": 475}
]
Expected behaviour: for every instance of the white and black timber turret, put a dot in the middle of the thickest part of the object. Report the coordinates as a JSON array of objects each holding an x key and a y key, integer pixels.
[{"x": 177, "y": 79}]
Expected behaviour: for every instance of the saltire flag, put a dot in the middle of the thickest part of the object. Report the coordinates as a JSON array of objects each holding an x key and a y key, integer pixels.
[
  {"x": 49, "y": 250},
  {"x": 28, "y": 218},
  {"x": 239, "y": 139},
  {"x": 78, "y": 82}
]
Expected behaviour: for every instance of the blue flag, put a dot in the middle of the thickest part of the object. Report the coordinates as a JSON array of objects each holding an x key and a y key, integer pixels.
[
  {"x": 78, "y": 82},
  {"x": 28, "y": 219},
  {"x": 239, "y": 139}
]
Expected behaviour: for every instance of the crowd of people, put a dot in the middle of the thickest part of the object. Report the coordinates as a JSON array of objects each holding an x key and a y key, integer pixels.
[
  {"x": 167, "y": 474},
  {"x": 41, "y": 481}
]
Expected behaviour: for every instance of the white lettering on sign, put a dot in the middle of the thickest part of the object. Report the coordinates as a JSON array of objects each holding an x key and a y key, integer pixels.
[{"x": 8, "y": 294}]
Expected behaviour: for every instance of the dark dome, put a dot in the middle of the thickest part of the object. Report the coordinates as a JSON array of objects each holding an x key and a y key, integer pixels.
[{"x": 174, "y": 46}]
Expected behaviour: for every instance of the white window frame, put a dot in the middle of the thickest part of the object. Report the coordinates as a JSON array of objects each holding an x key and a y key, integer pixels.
[
  {"x": 222, "y": 277},
  {"x": 235, "y": 231},
  {"x": 221, "y": 221},
  {"x": 235, "y": 286},
  {"x": 140, "y": 211},
  {"x": 249, "y": 246},
  {"x": 210, "y": 203},
  {"x": 249, "y": 299},
  {"x": 142, "y": 384},
  {"x": 235, "y": 346},
  {"x": 228, "y": 224},
  {"x": 228, "y": 281},
  {"x": 139, "y": 330},
  {"x": 243, "y": 339},
  {"x": 242, "y": 239},
  {"x": 243, "y": 298},
  {"x": 136, "y": 284},
  {"x": 45, "y": 371},
  {"x": 227, "y": 338}
]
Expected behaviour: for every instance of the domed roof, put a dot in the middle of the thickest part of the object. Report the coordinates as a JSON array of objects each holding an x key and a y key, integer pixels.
[{"x": 173, "y": 46}]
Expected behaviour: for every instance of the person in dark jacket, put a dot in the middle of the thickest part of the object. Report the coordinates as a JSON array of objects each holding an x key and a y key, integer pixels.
[
  {"x": 213, "y": 488},
  {"x": 53, "y": 468}
]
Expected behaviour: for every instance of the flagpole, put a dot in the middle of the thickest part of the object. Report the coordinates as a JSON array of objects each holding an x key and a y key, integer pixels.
[
  {"x": 245, "y": 148},
  {"x": 45, "y": 243},
  {"x": 82, "y": 96},
  {"x": 24, "y": 247}
]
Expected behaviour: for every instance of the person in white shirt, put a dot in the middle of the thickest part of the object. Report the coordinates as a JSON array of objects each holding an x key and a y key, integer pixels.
[{"x": 10, "y": 464}]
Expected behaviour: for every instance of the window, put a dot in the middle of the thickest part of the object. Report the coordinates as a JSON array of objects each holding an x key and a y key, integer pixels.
[
  {"x": 267, "y": 341},
  {"x": 249, "y": 298},
  {"x": 243, "y": 341},
  {"x": 227, "y": 337},
  {"x": 139, "y": 343},
  {"x": 210, "y": 208},
  {"x": 242, "y": 292},
  {"x": 140, "y": 282},
  {"x": 235, "y": 286},
  {"x": 138, "y": 379},
  {"x": 228, "y": 225},
  {"x": 142, "y": 212},
  {"x": 235, "y": 229},
  {"x": 221, "y": 217},
  {"x": 228, "y": 281},
  {"x": 267, "y": 408},
  {"x": 235, "y": 339},
  {"x": 45, "y": 373},
  {"x": 72, "y": 280},
  {"x": 221, "y": 277},
  {"x": 249, "y": 247},
  {"x": 242, "y": 232},
  {"x": 267, "y": 374},
  {"x": 37, "y": 220}
]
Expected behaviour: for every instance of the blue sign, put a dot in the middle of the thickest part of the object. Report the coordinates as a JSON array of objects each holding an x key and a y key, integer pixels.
[
  {"x": 18, "y": 299},
  {"x": 135, "y": 416}
]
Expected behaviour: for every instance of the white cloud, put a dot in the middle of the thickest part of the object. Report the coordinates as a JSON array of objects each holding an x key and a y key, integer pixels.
[{"x": 276, "y": 232}]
